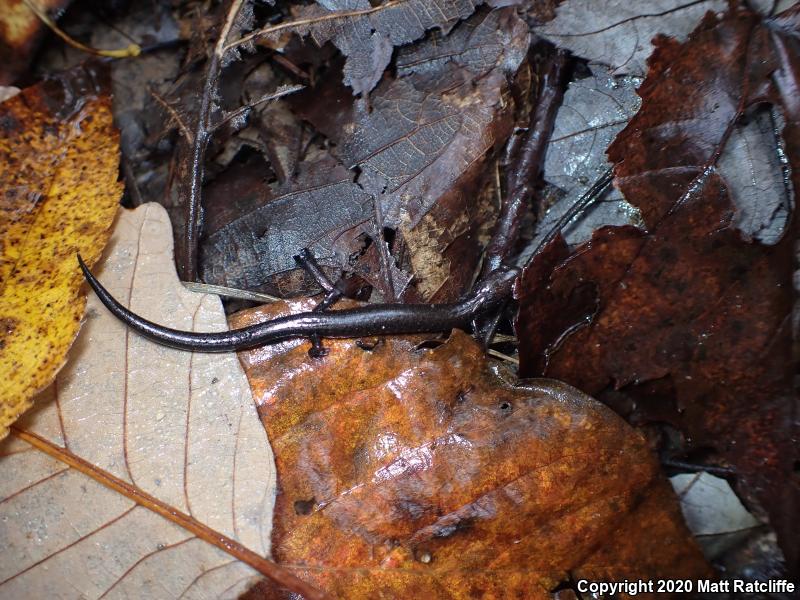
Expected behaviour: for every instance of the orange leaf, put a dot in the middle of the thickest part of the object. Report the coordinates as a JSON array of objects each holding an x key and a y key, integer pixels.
[{"x": 407, "y": 472}]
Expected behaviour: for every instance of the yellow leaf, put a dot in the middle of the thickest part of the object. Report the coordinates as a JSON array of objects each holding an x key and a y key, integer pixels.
[{"x": 58, "y": 172}]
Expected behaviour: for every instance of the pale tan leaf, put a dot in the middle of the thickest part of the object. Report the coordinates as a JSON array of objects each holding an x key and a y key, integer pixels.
[{"x": 177, "y": 426}]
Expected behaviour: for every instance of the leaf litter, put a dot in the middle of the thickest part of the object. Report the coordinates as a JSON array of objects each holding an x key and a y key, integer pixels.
[{"x": 264, "y": 153}]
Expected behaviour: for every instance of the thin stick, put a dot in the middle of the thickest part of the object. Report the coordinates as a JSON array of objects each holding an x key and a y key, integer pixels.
[
  {"x": 131, "y": 51},
  {"x": 220, "y": 290},
  {"x": 526, "y": 158},
  {"x": 174, "y": 114},
  {"x": 282, "y": 91},
  {"x": 589, "y": 197},
  {"x": 310, "y": 21},
  {"x": 198, "y": 148}
]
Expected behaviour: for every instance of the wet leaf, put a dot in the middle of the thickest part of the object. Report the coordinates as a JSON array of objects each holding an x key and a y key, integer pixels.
[
  {"x": 693, "y": 305},
  {"x": 20, "y": 33},
  {"x": 59, "y": 157},
  {"x": 179, "y": 430},
  {"x": 252, "y": 248},
  {"x": 617, "y": 34},
  {"x": 595, "y": 109},
  {"x": 420, "y": 472},
  {"x": 421, "y": 146}
]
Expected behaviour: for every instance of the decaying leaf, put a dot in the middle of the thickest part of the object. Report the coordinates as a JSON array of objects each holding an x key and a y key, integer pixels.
[
  {"x": 421, "y": 146},
  {"x": 367, "y": 34},
  {"x": 20, "y": 33},
  {"x": 59, "y": 158},
  {"x": 693, "y": 305},
  {"x": 595, "y": 109},
  {"x": 178, "y": 427},
  {"x": 253, "y": 249},
  {"x": 401, "y": 189},
  {"x": 413, "y": 472}
]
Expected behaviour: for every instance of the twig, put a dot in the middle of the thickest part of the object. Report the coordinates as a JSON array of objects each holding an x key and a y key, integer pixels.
[
  {"x": 502, "y": 356},
  {"x": 220, "y": 290},
  {"x": 589, "y": 197},
  {"x": 282, "y": 91},
  {"x": 310, "y": 21},
  {"x": 199, "y": 145},
  {"x": 175, "y": 116},
  {"x": 131, "y": 51},
  {"x": 525, "y": 159}
]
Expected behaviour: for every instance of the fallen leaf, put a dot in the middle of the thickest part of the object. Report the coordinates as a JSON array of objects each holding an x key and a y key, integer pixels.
[
  {"x": 712, "y": 512},
  {"x": 709, "y": 505},
  {"x": 617, "y": 34},
  {"x": 693, "y": 304},
  {"x": 421, "y": 147},
  {"x": 179, "y": 430},
  {"x": 253, "y": 248},
  {"x": 413, "y": 472},
  {"x": 368, "y": 35},
  {"x": 20, "y": 33},
  {"x": 595, "y": 109},
  {"x": 59, "y": 157}
]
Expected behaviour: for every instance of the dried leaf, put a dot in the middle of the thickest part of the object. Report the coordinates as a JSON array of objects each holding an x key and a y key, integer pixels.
[
  {"x": 177, "y": 426},
  {"x": 59, "y": 157},
  {"x": 20, "y": 33},
  {"x": 693, "y": 304},
  {"x": 410, "y": 472}
]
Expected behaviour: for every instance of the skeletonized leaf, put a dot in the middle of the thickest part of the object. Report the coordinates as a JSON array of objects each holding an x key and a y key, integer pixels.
[
  {"x": 58, "y": 174},
  {"x": 422, "y": 145},
  {"x": 413, "y": 472},
  {"x": 177, "y": 426}
]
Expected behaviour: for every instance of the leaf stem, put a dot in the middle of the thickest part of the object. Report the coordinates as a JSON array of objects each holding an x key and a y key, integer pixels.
[{"x": 266, "y": 567}]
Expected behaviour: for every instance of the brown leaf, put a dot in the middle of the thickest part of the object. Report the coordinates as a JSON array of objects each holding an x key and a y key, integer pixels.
[
  {"x": 618, "y": 34},
  {"x": 422, "y": 145},
  {"x": 176, "y": 431},
  {"x": 367, "y": 35},
  {"x": 692, "y": 304},
  {"x": 412, "y": 472}
]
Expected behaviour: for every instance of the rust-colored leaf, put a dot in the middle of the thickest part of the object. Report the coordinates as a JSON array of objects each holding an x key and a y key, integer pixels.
[
  {"x": 59, "y": 159},
  {"x": 413, "y": 472},
  {"x": 694, "y": 303}
]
